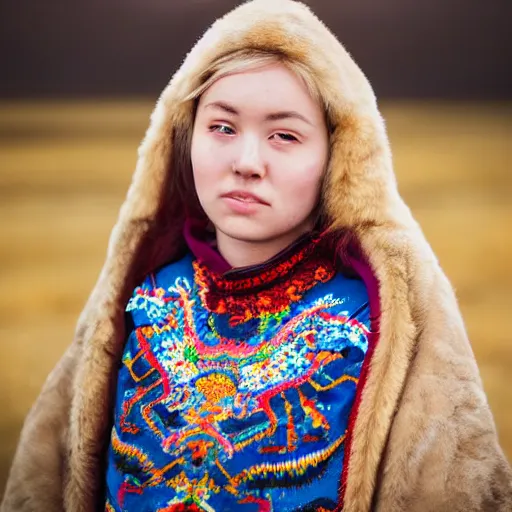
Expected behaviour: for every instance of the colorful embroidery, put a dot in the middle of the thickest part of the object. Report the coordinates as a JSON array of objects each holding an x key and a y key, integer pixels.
[
  {"x": 270, "y": 294},
  {"x": 235, "y": 395},
  {"x": 109, "y": 507}
]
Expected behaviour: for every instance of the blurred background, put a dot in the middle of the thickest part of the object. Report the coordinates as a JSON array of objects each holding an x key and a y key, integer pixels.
[{"x": 79, "y": 79}]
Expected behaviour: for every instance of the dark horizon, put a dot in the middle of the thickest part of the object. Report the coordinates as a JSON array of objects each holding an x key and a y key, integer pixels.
[{"x": 459, "y": 49}]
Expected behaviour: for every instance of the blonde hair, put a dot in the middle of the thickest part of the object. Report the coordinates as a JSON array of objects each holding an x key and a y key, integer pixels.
[{"x": 248, "y": 59}]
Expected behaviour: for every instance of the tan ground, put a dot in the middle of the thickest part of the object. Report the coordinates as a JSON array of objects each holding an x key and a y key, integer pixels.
[{"x": 65, "y": 167}]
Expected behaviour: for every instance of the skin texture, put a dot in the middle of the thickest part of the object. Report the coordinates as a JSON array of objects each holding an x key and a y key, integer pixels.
[{"x": 259, "y": 131}]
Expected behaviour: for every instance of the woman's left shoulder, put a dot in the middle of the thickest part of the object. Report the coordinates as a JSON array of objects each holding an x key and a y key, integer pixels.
[{"x": 347, "y": 295}]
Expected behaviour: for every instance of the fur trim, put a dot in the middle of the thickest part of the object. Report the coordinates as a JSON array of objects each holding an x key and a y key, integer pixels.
[{"x": 420, "y": 324}]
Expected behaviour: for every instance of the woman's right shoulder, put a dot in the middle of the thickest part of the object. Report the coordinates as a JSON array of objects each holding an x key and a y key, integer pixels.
[
  {"x": 167, "y": 274},
  {"x": 148, "y": 300}
]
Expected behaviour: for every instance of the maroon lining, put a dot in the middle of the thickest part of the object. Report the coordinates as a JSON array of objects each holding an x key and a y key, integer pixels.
[
  {"x": 194, "y": 231},
  {"x": 362, "y": 267}
]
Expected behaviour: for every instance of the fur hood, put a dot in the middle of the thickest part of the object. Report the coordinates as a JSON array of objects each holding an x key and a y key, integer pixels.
[{"x": 423, "y": 438}]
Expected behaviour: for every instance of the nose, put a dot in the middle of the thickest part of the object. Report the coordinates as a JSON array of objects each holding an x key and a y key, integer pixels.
[{"x": 250, "y": 162}]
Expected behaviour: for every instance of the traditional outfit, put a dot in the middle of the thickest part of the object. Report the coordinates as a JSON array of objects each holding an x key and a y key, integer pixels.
[
  {"x": 324, "y": 379},
  {"x": 236, "y": 389}
]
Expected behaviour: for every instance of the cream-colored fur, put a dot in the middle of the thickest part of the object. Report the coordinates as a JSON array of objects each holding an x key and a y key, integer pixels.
[{"x": 424, "y": 438}]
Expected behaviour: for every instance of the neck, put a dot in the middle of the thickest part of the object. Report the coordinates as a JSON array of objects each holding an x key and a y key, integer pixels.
[{"x": 243, "y": 253}]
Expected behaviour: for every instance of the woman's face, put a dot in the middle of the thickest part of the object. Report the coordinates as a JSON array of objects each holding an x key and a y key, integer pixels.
[{"x": 259, "y": 151}]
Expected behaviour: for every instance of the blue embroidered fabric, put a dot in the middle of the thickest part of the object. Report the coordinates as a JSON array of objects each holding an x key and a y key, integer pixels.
[{"x": 235, "y": 391}]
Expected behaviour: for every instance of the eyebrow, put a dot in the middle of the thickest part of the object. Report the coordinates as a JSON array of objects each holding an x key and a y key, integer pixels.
[{"x": 274, "y": 116}]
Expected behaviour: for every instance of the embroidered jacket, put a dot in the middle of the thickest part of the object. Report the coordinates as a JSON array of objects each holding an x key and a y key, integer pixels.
[{"x": 235, "y": 390}]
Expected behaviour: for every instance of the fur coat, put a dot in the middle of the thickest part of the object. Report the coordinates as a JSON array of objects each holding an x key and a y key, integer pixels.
[{"x": 422, "y": 436}]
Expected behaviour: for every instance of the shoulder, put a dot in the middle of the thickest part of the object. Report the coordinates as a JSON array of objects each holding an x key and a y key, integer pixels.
[
  {"x": 352, "y": 295},
  {"x": 350, "y": 284},
  {"x": 149, "y": 300},
  {"x": 166, "y": 275}
]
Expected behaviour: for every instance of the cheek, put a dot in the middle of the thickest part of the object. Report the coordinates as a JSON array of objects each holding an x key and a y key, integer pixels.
[
  {"x": 303, "y": 180},
  {"x": 205, "y": 168}
]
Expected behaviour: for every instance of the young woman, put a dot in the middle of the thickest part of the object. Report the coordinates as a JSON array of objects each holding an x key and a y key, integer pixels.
[{"x": 271, "y": 331}]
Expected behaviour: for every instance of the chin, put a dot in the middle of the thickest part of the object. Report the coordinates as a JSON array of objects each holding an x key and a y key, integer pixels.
[
  {"x": 243, "y": 235},
  {"x": 248, "y": 230}
]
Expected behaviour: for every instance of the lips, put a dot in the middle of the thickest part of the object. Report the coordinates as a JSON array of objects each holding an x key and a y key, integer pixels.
[{"x": 244, "y": 197}]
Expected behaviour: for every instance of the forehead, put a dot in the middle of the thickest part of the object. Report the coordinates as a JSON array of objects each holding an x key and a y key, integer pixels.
[{"x": 264, "y": 89}]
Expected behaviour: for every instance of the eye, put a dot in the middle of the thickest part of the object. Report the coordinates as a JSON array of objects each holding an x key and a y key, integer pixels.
[
  {"x": 286, "y": 137},
  {"x": 222, "y": 128}
]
